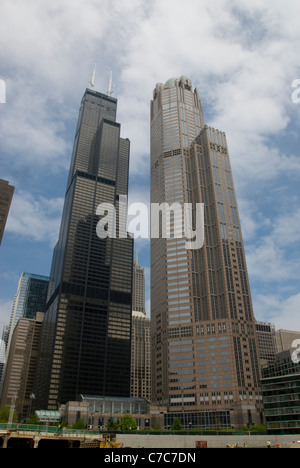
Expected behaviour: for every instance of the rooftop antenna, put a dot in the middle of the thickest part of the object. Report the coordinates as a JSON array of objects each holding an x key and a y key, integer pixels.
[
  {"x": 110, "y": 91},
  {"x": 92, "y": 80}
]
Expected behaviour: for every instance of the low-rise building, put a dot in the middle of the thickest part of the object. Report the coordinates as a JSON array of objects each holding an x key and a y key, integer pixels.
[
  {"x": 281, "y": 395},
  {"x": 96, "y": 411}
]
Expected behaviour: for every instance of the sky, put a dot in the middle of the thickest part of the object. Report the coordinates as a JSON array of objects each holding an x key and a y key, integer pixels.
[{"x": 243, "y": 56}]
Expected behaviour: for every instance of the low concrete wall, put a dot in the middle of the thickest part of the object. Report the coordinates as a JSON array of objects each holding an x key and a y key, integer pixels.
[{"x": 185, "y": 442}]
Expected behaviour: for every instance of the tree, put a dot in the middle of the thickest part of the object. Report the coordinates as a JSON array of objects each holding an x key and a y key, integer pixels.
[
  {"x": 112, "y": 425},
  {"x": 4, "y": 414},
  {"x": 80, "y": 424},
  {"x": 127, "y": 423},
  {"x": 176, "y": 426}
]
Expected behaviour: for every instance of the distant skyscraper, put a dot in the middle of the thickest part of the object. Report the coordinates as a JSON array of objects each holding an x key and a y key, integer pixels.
[
  {"x": 284, "y": 339},
  {"x": 21, "y": 365},
  {"x": 266, "y": 343},
  {"x": 2, "y": 358},
  {"x": 30, "y": 298},
  {"x": 3, "y": 345},
  {"x": 86, "y": 337},
  {"x": 6, "y": 194},
  {"x": 205, "y": 365},
  {"x": 140, "y": 356},
  {"x": 138, "y": 288},
  {"x": 140, "y": 341}
]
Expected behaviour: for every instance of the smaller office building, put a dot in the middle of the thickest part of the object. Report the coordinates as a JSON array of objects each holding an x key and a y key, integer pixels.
[
  {"x": 96, "y": 411},
  {"x": 281, "y": 395}
]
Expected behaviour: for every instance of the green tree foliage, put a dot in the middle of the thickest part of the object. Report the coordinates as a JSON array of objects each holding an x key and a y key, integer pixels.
[
  {"x": 112, "y": 425},
  {"x": 80, "y": 424},
  {"x": 126, "y": 423},
  {"x": 176, "y": 426},
  {"x": 4, "y": 414}
]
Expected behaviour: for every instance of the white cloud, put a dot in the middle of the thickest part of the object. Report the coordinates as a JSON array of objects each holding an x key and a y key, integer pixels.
[
  {"x": 47, "y": 62},
  {"x": 32, "y": 136},
  {"x": 242, "y": 64},
  {"x": 251, "y": 218},
  {"x": 45, "y": 37},
  {"x": 35, "y": 218},
  {"x": 273, "y": 254},
  {"x": 243, "y": 61},
  {"x": 268, "y": 263},
  {"x": 286, "y": 230},
  {"x": 284, "y": 313}
]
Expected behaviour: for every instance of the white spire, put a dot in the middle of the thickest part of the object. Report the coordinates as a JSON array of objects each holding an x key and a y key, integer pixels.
[
  {"x": 110, "y": 91},
  {"x": 92, "y": 81}
]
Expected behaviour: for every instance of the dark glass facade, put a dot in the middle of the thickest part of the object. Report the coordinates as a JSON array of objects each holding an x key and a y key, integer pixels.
[
  {"x": 281, "y": 395},
  {"x": 31, "y": 297},
  {"x": 86, "y": 338},
  {"x": 37, "y": 288},
  {"x": 216, "y": 420}
]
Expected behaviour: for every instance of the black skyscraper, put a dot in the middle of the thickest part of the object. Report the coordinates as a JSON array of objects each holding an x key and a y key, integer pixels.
[{"x": 86, "y": 337}]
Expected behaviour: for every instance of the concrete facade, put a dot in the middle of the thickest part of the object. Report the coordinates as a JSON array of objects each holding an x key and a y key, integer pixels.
[{"x": 163, "y": 441}]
